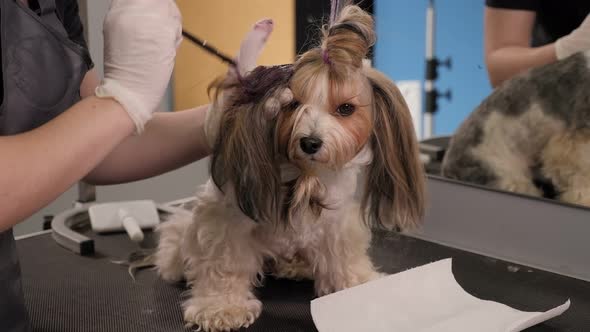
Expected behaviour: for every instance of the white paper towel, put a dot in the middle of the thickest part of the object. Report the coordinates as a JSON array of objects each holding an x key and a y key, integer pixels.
[{"x": 423, "y": 299}]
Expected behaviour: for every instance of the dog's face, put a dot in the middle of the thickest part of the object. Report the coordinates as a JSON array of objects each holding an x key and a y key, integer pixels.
[
  {"x": 339, "y": 106},
  {"x": 329, "y": 124}
]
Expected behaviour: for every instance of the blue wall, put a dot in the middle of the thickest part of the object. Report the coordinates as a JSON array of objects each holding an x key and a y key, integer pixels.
[{"x": 401, "y": 45}]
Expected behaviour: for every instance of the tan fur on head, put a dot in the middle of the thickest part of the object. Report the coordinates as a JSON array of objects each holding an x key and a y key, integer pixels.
[
  {"x": 324, "y": 75},
  {"x": 333, "y": 74}
]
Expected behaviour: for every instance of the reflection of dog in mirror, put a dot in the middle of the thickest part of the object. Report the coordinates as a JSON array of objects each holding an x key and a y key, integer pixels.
[
  {"x": 282, "y": 198},
  {"x": 537, "y": 123}
]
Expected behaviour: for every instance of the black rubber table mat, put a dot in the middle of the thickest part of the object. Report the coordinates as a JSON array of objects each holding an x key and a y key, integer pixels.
[{"x": 67, "y": 292}]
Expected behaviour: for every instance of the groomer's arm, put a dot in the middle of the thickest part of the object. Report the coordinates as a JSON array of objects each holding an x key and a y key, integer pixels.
[
  {"x": 170, "y": 140},
  {"x": 39, "y": 165},
  {"x": 141, "y": 38},
  {"x": 507, "y": 44}
]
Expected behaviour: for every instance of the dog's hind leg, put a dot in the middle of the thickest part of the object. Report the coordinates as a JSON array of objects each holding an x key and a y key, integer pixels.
[
  {"x": 512, "y": 172},
  {"x": 509, "y": 147},
  {"x": 168, "y": 258},
  {"x": 492, "y": 164},
  {"x": 223, "y": 263},
  {"x": 566, "y": 161}
]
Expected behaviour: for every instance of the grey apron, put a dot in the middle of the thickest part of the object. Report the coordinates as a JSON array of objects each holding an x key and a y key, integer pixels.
[{"x": 42, "y": 70}]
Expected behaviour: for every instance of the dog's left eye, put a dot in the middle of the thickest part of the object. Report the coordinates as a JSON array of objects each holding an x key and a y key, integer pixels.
[{"x": 345, "y": 109}]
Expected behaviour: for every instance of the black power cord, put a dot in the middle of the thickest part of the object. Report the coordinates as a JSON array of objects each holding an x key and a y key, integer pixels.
[{"x": 205, "y": 45}]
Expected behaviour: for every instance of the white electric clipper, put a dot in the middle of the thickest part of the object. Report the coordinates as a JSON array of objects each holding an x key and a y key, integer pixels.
[{"x": 131, "y": 216}]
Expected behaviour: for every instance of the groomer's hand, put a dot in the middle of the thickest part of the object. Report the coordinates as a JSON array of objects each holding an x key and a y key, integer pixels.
[
  {"x": 140, "y": 38},
  {"x": 577, "y": 41}
]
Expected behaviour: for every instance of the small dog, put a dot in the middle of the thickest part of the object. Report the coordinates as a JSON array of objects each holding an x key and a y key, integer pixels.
[
  {"x": 533, "y": 128},
  {"x": 296, "y": 144}
]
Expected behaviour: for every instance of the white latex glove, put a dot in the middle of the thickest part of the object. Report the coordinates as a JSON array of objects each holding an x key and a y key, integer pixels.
[
  {"x": 250, "y": 50},
  {"x": 140, "y": 38},
  {"x": 577, "y": 41}
]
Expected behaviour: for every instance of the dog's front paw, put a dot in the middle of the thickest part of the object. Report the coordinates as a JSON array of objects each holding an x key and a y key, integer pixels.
[{"x": 219, "y": 314}]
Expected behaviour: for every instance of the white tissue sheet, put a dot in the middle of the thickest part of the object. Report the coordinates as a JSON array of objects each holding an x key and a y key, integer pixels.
[{"x": 423, "y": 299}]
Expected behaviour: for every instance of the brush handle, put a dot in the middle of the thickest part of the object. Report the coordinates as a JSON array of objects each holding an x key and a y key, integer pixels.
[{"x": 131, "y": 226}]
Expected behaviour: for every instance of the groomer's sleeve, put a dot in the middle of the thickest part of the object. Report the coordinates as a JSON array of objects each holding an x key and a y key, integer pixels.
[
  {"x": 514, "y": 4},
  {"x": 73, "y": 23}
]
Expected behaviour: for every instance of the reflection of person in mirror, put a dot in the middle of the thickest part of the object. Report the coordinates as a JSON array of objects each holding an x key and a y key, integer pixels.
[
  {"x": 522, "y": 34},
  {"x": 532, "y": 134}
]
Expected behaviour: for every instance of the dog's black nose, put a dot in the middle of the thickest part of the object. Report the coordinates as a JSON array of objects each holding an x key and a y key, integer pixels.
[{"x": 310, "y": 145}]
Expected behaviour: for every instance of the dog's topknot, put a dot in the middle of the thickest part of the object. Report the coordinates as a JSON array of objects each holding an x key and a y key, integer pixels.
[
  {"x": 348, "y": 38},
  {"x": 345, "y": 43}
]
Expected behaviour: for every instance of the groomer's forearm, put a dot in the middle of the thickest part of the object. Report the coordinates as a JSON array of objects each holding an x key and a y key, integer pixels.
[
  {"x": 506, "y": 62},
  {"x": 170, "y": 140},
  {"x": 41, "y": 164}
]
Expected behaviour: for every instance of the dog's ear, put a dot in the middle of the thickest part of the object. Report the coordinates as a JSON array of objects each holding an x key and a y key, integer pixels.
[
  {"x": 395, "y": 191},
  {"x": 245, "y": 154}
]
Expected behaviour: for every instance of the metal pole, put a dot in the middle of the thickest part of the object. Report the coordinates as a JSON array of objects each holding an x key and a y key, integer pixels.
[
  {"x": 430, "y": 72},
  {"x": 430, "y": 38},
  {"x": 86, "y": 193}
]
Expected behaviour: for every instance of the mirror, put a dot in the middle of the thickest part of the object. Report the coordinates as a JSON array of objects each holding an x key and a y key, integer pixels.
[{"x": 522, "y": 131}]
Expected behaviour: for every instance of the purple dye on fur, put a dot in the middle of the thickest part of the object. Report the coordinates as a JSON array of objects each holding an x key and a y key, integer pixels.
[
  {"x": 262, "y": 81},
  {"x": 326, "y": 57}
]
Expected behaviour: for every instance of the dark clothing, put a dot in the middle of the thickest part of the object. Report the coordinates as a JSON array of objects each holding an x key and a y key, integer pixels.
[
  {"x": 43, "y": 65},
  {"x": 68, "y": 13},
  {"x": 554, "y": 19},
  {"x": 13, "y": 314}
]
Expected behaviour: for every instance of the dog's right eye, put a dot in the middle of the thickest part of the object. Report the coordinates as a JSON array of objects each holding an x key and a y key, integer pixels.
[{"x": 345, "y": 109}]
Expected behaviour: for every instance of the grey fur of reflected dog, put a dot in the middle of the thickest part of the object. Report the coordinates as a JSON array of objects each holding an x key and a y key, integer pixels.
[{"x": 537, "y": 121}]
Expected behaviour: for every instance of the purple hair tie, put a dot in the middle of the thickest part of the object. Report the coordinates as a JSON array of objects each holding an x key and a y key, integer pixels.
[{"x": 326, "y": 57}]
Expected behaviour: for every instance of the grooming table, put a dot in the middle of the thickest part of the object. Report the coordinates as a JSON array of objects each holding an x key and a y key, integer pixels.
[{"x": 68, "y": 292}]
